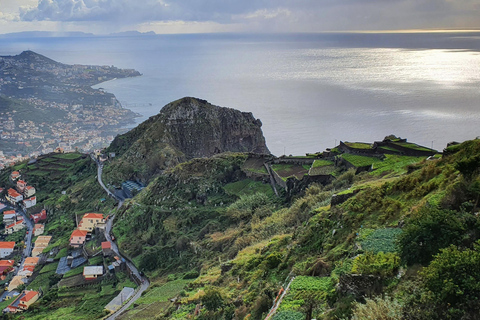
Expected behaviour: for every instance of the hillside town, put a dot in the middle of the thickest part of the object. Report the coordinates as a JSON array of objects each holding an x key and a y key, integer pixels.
[
  {"x": 47, "y": 106},
  {"x": 25, "y": 259}
]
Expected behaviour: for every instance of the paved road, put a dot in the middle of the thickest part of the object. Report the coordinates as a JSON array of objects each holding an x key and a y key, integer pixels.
[
  {"x": 108, "y": 228},
  {"x": 28, "y": 241}
]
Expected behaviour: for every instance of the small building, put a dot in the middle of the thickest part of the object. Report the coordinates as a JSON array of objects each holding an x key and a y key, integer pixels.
[
  {"x": 40, "y": 244},
  {"x": 9, "y": 215},
  {"x": 15, "y": 175},
  {"x": 27, "y": 271},
  {"x": 23, "y": 301},
  {"x": 13, "y": 196},
  {"x": 21, "y": 185},
  {"x": 37, "y": 217},
  {"x": 107, "y": 248},
  {"x": 31, "y": 261},
  {"x": 11, "y": 295},
  {"x": 14, "y": 227},
  {"x": 6, "y": 266},
  {"x": 6, "y": 248},
  {"x": 29, "y": 191},
  {"x": 92, "y": 272},
  {"x": 15, "y": 282},
  {"x": 90, "y": 221},
  {"x": 38, "y": 229},
  {"x": 78, "y": 238},
  {"x": 30, "y": 202}
]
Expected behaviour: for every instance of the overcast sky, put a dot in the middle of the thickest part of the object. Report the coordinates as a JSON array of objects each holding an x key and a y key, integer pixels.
[{"x": 173, "y": 16}]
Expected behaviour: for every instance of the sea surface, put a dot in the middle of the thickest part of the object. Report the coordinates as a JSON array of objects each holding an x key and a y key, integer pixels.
[{"x": 309, "y": 90}]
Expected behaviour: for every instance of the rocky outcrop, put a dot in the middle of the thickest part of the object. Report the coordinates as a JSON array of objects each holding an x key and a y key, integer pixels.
[
  {"x": 185, "y": 129},
  {"x": 200, "y": 129}
]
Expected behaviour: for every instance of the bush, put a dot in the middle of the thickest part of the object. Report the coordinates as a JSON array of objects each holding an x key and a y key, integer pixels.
[
  {"x": 381, "y": 264},
  {"x": 289, "y": 315},
  {"x": 429, "y": 231},
  {"x": 385, "y": 309},
  {"x": 212, "y": 300}
]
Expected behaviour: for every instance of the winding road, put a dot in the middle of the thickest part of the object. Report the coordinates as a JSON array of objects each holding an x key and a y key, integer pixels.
[{"x": 144, "y": 281}]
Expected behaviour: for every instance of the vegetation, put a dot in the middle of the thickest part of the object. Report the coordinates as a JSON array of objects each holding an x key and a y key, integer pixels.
[{"x": 360, "y": 161}]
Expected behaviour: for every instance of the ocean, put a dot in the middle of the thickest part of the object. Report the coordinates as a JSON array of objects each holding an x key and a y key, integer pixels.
[{"x": 309, "y": 90}]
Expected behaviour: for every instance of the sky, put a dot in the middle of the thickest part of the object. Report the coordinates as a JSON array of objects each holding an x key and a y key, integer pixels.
[{"x": 194, "y": 16}]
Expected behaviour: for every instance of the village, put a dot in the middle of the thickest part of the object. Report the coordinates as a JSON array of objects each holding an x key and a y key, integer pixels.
[{"x": 26, "y": 252}]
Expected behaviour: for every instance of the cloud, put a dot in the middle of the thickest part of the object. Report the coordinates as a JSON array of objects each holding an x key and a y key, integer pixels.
[{"x": 264, "y": 15}]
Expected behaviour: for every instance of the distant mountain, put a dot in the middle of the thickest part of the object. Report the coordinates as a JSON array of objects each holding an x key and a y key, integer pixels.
[
  {"x": 185, "y": 129},
  {"x": 132, "y": 34},
  {"x": 45, "y": 34}
]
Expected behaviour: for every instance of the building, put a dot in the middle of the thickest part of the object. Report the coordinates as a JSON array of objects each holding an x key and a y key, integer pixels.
[
  {"x": 6, "y": 248},
  {"x": 92, "y": 272},
  {"x": 29, "y": 191},
  {"x": 27, "y": 271},
  {"x": 31, "y": 261},
  {"x": 15, "y": 282},
  {"x": 13, "y": 196},
  {"x": 6, "y": 266},
  {"x": 38, "y": 229},
  {"x": 107, "y": 248},
  {"x": 23, "y": 301},
  {"x": 42, "y": 215},
  {"x": 30, "y": 202},
  {"x": 21, "y": 185},
  {"x": 90, "y": 221},
  {"x": 14, "y": 227},
  {"x": 14, "y": 175},
  {"x": 78, "y": 237},
  {"x": 40, "y": 244},
  {"x": 9, "y": 215}
]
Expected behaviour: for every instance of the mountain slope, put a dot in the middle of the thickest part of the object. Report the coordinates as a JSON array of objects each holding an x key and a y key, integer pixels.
[{"x": 184, "y": 129}]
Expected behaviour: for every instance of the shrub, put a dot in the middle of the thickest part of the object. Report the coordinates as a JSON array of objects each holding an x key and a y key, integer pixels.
[
  {"x": 429, "y": 231},
  {"x": 381, "y": 264},
  {"x": 377, "y": 308}
]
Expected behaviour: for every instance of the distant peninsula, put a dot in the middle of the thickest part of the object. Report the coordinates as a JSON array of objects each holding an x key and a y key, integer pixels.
[{"x": 46, "y": 105}]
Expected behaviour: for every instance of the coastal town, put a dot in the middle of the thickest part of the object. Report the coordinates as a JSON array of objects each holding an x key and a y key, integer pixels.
[
  {"x": 47, "y": 106},
  {"x": 29, "y": 253}
]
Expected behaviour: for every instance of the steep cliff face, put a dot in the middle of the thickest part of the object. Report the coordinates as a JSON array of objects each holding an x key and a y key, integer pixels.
[{"x": 185, "y": 129}]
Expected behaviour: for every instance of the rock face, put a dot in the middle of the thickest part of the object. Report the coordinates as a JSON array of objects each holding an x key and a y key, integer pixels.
[
  {"x": 199, "y": 129},
  {"x": 185, "y": 129}
]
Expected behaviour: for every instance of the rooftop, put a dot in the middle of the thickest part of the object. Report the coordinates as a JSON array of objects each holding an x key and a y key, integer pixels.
[
  {"x": 7, "y": 244},
  {"x": 92, "y": 270},
  {"x": 93, "y": 216}
]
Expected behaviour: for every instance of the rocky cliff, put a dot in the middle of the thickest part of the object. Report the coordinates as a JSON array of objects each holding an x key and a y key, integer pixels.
[{"x": 185, "y": 129}]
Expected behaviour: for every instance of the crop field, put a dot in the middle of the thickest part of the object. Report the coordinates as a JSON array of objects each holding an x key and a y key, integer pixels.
[
  {"x": 360, "y": 161},
  {"x": 289, "y": 170}
]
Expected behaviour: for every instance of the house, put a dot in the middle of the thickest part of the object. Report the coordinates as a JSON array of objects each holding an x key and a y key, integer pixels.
[
  {"x": 42, "y": 215},
  {"x": 13, "y": 196},
  {"x": 6, "y": 266},
  {"x": 11, "y": 295},
  {"x": 30, "y": 202},
  {"x": 92, "y": 272},
  {"x": 78, "y": 237},
  {"x": 40, "y": 244},
  {"x": 90, "y": 221},
  {"x": 27, "y": 271},
  {"x": 107, "y": 248},
  {"x": 31, "y": 261},
  {"x": 23, "y": 301},
  {"x": 14, "y": 175},
  {"x": 38, "y": 229},
  {"x": 9, "y": 215},
  {"x": 14, "y": 227},
  {"x": 15, "y": 282},
  {"x": 21, "y": 185},
  {"x": 29, "y": 191},
  {"x": 6, "y": 248}
]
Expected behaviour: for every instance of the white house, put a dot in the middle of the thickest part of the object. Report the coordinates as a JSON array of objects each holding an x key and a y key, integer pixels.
[{"x": 6, "y": 248}]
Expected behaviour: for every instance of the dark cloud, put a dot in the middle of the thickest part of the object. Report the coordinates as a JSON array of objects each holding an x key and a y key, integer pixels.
[{"x": 303, "y": 15}]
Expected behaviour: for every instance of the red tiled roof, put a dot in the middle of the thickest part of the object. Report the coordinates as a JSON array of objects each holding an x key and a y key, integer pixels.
[
  {"x": 7, "y": 263},
  {"x": 78, "y": 233},
  {"x": 106, "y": 245},
  {"x": 21, "y": 182},
  {"x": 29, "y": 295},
  {"x": 13, "y": 224},
  {"x": 7, "y": 244},
  {"x": 13, "y": 193},
  {"x": 9, "y": 212},
  {"x": 93, "y": 216},
  {"x": 29, "y": 187}
]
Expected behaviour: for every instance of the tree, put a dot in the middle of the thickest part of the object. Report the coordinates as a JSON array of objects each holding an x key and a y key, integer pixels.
[
  {"x": 212, "y": 300},
  {"x": 428, "y": 231}
]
